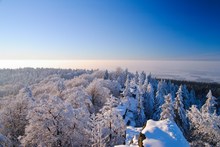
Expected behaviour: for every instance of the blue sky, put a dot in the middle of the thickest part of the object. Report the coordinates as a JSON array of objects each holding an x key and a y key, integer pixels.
[{"x": 110, "y": 29}]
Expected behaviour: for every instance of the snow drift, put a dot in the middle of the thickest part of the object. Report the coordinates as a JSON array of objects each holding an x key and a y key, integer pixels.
[{"x": 163, "y": 133}]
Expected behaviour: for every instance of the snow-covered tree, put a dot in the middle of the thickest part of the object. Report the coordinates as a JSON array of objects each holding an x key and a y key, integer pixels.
[
  {"x": 162, "y": 84},
  {"x": 144, "y": 87},
  {"x": 129, "y": 107},
  {"x": 13, "y": 116},
  {"x": 106, "y": 75},
  {"x": 159, "y": 100},
  {"x": 27, "y": 92},
  {"x": 113, "y": 86},
  {"x": 172, "y": 89},
  {"x": 95, "y": 130},
  {"x": 167, "y": 108},
  {"x": 79, "y": 99},
  {"x": 4, "y": 141},
  {"x": 149, "y": 77},
  {"x": 56, "y": 109},
  {"x": 149, "y": 101},
  {"x": 126, "y": 91},
  {"x": 192, "y": 96},
  {"x": 119, "y": 75},
  {"x": 136, "y": 78},
  {"x": 98, "y": 94},
  {"x": 133, "y": 87},
  {"x": 204, "y": 127},
  {"x": 82, "y": 80},
  {"x": 140, "y": 118},
  {"x": 142, "y": 78},
  {"x": 186, "y": 97},
  {"x": 114, "y": 127},
  {"x": 60, "y": 86},
  {"x": 209, "y": 106},
  {"x": 52, "y": 122},
  {"x": 180, "y": 114}
]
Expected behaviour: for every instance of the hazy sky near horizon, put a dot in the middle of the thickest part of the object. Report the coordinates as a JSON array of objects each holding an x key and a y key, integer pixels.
[{"x": 110, "y": 29}]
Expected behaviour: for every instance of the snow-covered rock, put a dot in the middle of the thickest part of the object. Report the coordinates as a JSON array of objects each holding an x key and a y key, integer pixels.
[
  {"x": 163, "y": 133},
  {"x": 127, "y": 109},
  {"x": 132, "y": 134}
]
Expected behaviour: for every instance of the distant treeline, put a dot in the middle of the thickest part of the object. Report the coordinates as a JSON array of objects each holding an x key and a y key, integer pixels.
[{"x": 200, "y": 88}]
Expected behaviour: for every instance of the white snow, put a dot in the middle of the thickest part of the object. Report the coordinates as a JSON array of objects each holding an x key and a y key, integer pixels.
[
  {"x": 129, "y": 104},
  {"x": 163, "y": 133},
  {"x": 132, "y": 134},
  {"x": 126, "y": 146}
]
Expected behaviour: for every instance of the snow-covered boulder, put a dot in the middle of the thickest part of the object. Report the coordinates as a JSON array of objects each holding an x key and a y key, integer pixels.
[
  {"x": 127, "y": 109},
  {"x": 163, "y": 133}
]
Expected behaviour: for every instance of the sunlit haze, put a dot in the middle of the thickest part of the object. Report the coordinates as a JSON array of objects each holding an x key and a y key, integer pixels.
[
  {"x": 191, "y": 70},
  {"x": 154, "y": 36}
]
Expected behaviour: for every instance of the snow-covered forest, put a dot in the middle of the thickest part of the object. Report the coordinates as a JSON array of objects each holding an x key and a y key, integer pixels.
[{"x": 58, "y": 107}]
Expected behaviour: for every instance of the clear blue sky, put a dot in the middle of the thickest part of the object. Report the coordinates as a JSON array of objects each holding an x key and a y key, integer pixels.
[{"x": 110, "y": 29}]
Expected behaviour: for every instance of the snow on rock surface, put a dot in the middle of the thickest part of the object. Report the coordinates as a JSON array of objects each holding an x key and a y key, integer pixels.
[
  {"x": 132, "y": 134},
  {"x": 163, "y": 133},
  {"x": 127, "y": 109}
]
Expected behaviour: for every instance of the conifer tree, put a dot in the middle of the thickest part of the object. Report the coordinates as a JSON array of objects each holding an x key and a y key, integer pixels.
[
  {"x": 204, "y": 127},
  {"x": 106, "y": 75},
  {"x": 209, "y": 106},
  {"x": 136, "y": 78},
  {"x": 159, "y": 100},
  {"x": 167, "y": 108},
  {"x": 114, "y": 127},
  {"x": 149, "y": 101},
  {"x": 126, "y": 91},
  {"x": 95, "y": 130},
  {"x": 141, "y": 118},
  {"x": 180, "y": 114}
]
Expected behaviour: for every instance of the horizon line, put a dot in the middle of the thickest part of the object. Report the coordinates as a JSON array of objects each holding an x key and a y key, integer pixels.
[{"x": 109, "y": 59}]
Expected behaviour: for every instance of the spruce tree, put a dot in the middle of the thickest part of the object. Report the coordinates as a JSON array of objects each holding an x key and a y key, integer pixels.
[
  {"x": 180, "y": 114},
  {"x": 209, "y": 106},
  {"x": 167, "y": 108}
]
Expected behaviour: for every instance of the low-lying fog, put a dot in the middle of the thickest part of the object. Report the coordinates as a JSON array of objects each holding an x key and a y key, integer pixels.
[{"x": 205, "y": 71}]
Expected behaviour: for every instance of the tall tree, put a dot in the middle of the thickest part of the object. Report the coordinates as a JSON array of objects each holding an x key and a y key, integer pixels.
[
  {"x": 159, "y": 100},
  {"x": 204, "y": 127},
  {"x": 136, "y": 78},
  {"x": 167, "y": 108},
  {"x": 126, "y": 91},
  {"x": 60, "y": 87},
  {"x": 180, "y": 114},
  {"x": 186, "y": 97},
  {"x": 98, "y": 94},
  {"x": 56, "y": 119},
  {"x": 209, "y": 106},
  {"x": 149, "y": 101},
  {"x": 13, "y": 116},
  {"x": 95, "y": 130},
  {"x": 141, "y": 118},
  {"x": 144, "y": 87},
  {"x": 142, "y": 78},
  {"x": 192, "y": 96},
  {"x": 106, "y": 75},
  {"x": 113, "y": 123}
]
